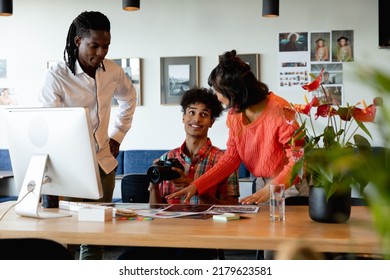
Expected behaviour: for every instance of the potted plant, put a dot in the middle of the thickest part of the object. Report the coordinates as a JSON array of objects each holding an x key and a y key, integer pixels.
[{"x": 333, "y": 159}]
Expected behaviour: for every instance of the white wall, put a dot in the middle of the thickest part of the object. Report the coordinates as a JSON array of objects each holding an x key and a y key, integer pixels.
[{"x": 36, "y": 34}]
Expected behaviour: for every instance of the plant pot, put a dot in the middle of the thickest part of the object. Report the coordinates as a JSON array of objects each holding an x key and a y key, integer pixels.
[{"x": 336, "y": 210}]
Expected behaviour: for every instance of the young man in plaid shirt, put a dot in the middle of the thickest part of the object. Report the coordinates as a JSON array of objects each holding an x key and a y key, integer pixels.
[{"x": 200, "y": 109}]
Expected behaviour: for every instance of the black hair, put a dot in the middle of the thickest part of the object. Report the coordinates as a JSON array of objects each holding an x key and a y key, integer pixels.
[
  {"x": 81, "y": 26},
  {"x": 204, "y": 96},
  {"x": 233, "y": 78},
  {"x": 342, "y": 37}
]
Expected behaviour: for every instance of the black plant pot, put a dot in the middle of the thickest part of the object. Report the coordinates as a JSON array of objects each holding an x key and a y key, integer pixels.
[{"x": 336, "y": 210}]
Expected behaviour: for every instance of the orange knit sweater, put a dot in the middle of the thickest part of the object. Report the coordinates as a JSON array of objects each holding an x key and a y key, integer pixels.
[{"x": 261, "y": 145}]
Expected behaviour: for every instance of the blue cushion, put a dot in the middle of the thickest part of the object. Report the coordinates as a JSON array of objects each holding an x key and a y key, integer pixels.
[
  {"x": 138, "y": 161},
  {"x": 119, "y": 158},
  {"x": 243, "y": 172},
  {"x": 5, "y": 161}
]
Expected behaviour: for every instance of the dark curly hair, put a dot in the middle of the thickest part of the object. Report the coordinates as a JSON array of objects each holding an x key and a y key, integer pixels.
[
  {"x": 81, "y": 26},
  {"x": 204, "y": 96},
  {"x": 233, "y": 78}
]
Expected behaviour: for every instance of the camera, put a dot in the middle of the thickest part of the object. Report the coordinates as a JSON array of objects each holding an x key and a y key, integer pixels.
[{"x": 162, "y": 170}]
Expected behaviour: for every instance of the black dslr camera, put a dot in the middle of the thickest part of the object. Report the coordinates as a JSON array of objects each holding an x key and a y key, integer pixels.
[{"x": 162, "y": 170}]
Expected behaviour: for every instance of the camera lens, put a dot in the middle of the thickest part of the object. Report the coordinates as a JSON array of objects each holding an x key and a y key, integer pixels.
[{"x": 154, "y": 175}]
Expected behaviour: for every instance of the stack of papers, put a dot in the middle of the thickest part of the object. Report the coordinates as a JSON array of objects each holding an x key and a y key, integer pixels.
[{"x": 181, "y": 210}]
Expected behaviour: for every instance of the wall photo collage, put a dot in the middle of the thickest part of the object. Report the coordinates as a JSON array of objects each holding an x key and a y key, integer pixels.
[{"x": 305, "y": 53}]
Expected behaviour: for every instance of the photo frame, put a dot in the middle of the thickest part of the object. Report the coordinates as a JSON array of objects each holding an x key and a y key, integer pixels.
[
  {"x": 253, "y": 59},
  {"x": 254, "y": 62},
  {"x": 132, "y": 68},
  {"x": 178, "y": 74}
]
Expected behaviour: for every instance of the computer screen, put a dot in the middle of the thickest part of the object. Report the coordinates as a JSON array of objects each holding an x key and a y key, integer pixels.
[{"x": 52, "y": 152}]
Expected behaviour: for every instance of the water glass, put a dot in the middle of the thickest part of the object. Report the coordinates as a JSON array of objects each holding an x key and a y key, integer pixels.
[{"x": 277, "y": 202}]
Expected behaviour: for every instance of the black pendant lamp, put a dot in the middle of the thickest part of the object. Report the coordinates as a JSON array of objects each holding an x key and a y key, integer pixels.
[
  {"x": 270, "y": 8},
  {"x": 6, "y": 8},
  {"x": 130, "y": 5}
]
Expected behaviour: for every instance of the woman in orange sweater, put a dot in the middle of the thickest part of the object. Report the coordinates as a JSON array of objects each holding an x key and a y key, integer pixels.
[{"x": 259, "y": 132}]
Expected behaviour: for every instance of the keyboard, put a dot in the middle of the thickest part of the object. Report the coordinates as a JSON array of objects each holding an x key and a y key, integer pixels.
[{"x": 75, "y": 206}]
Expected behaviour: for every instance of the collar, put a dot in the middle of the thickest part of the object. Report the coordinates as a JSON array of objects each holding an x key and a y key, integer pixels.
[
  {"x": 79, "y": 70},
  {"x": 201, "y": 153}
]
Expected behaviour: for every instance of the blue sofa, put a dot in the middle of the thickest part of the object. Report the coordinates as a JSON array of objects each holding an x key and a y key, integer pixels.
[
  {"x": 138, "y": 161},
  {"x": 5, "y": 161},
  {"x": 129, "y": 162}
]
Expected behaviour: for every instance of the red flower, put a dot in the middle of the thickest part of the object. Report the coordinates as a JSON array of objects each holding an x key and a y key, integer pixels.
[
  {"x": 325, "y": 110},
  {"x": 303, "y": 109},
  {"x": 314, "y": 84},
  {"x": 315, "y": 102},
  {"x": 365, "y": 115}
]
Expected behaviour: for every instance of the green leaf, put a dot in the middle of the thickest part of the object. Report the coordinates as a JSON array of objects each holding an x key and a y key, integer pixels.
[{"x": 363, "y": 127}]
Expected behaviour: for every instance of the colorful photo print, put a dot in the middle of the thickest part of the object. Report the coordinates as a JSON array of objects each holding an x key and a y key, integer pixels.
[
  {"x": 320, "y": 46},
  {"x": 342, "y": 46},
  {"x": 293, "y": 42}
]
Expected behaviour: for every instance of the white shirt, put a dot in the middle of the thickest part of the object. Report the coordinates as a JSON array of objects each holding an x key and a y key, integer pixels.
[{"x": 61, "y": 88}]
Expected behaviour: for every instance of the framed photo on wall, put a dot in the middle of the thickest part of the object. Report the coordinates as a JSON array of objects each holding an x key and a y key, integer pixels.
[
  {"x": 253, "y": 60},
  {"x": 132, "y": 68},
  {"x": 178, "y": 74}
]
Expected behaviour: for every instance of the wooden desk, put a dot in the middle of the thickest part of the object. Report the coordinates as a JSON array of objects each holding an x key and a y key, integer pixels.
[{"x": 255, "y": 231}]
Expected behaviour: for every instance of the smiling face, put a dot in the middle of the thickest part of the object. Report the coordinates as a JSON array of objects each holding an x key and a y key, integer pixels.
[
  {"x": 197, "y": 120},
  {"x": 93, "y": 49}
]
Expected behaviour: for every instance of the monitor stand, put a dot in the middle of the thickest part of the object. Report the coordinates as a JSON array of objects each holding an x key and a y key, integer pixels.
[{"x": 28, "y": 203}]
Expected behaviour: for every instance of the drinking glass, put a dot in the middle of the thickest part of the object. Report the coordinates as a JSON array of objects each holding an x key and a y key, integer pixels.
[{"x": 277, "y": 202}]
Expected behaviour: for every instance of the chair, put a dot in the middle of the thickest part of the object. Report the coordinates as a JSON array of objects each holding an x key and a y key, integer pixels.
[
  {"x": 33, "y": 249},
  {"x": 134, "y": 188}
]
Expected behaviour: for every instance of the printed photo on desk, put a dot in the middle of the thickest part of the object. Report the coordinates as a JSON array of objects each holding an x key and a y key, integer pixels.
[
  {"x": 188, "y": 208},
  {"x": 249, "y": 209},
  {"x": 161, "y": 214}
]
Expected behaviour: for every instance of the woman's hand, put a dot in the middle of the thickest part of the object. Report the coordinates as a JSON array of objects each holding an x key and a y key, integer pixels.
[
  {"x": 258, "y": 197},
  {"x": 189, "y": 192},
  {"x": 183, "y": 181}
]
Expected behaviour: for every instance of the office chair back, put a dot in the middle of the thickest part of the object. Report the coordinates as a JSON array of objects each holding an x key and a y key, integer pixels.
[{"x": 134, "y": 188}]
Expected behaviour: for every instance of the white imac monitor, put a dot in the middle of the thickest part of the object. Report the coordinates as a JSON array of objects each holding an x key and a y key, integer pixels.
[{"x": 52, "y": 152}]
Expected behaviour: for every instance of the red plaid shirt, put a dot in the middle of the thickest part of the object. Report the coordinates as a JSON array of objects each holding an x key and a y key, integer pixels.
[{"x": 206, "y": 158}]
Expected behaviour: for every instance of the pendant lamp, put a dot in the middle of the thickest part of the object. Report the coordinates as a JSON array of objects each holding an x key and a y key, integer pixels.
[
  {"x": 6, "y": 8},
  {"x": 270, "y": 8},
  {"x": 130, "y": 5}
]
